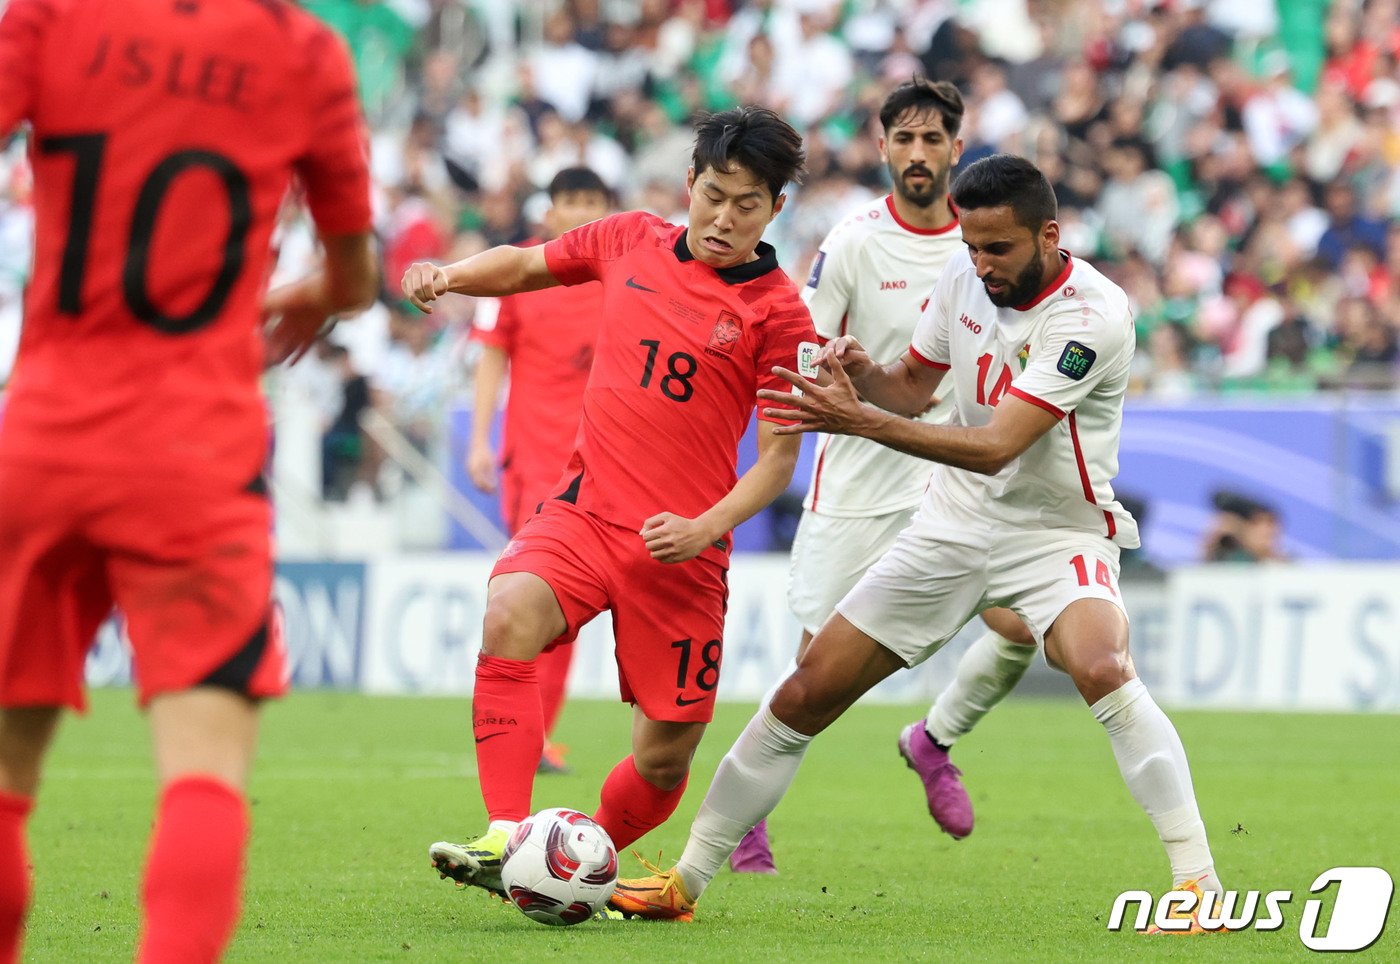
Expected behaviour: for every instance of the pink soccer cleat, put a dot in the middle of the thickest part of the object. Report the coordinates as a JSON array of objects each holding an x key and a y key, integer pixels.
[
  {"x": 753, "y": 855},
  {"x": 947, "y": 799}
]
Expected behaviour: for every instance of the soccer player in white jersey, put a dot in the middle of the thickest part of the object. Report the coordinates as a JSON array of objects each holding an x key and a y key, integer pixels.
[
  {"x": 871, "y": 280},
  {"x": 1020, "y": 513}
]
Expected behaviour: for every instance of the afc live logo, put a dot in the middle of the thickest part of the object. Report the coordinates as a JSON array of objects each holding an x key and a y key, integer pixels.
[{"x": 971, "y": 325}]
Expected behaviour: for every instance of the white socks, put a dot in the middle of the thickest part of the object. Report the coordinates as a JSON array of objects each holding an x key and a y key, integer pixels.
[
  {"x": 1153, "y": 764},
  {"x": 751, "y": 779},
  {"x": 989, "y": 670}
]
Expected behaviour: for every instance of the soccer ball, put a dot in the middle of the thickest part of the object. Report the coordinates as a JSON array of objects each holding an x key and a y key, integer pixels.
[{"x": 559, "y": 867}]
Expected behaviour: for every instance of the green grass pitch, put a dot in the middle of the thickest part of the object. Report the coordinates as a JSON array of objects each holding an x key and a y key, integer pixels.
[{"x": 350, "y": 790}]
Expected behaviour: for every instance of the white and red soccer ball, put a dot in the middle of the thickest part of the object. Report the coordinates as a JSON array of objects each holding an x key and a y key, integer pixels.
[{"x": 559, "y": 867}]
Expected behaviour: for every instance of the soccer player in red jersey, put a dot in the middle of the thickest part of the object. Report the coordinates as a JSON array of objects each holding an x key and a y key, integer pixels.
[
  {"x": 545, "y": 340},
  {"x": 694, "y": 320},
  {"x": 164, "y": 136}
]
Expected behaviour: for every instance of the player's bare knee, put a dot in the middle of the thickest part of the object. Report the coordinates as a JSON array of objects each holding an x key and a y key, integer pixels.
[
  {"x": 1101, "y": 674},
  {"x": 804, "y": 704},
  {"x": 511, "y": 630},
  {"x": 663, "y": 774}
]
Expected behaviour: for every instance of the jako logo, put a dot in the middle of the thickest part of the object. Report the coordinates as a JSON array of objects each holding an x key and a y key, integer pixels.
[
  {"x": 1358, "y": 915},
  {"x": 969, "y": 323},
  {"x": 893, "y": 285}
]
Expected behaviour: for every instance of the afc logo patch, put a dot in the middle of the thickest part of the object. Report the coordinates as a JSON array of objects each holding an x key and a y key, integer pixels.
[
  {"x": 725, "y": 335},
  {"x": 1076, "y": 360}
]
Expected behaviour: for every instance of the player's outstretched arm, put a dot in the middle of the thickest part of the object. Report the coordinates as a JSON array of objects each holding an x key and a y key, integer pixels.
[
  {"x": 673, "y": 538},
  {"x": 490, "y": 376},
  {"x": 346, "y": 282},
  {"x": 838, "y": 410},
  {"x": 905, "y": 386},
  {"x": 503, "y": 270}
]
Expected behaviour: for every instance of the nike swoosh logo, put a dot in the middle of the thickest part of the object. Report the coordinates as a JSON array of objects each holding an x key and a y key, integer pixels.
[
  {"x": 632, "y": 283},
  {"x": 490, "y": 736},
  {"x": 682, "y": 701}
]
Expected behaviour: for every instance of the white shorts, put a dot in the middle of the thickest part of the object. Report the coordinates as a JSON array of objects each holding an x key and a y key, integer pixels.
[
  {"x": 830, "y": 554},
  {"x": 947, "y": 567}
]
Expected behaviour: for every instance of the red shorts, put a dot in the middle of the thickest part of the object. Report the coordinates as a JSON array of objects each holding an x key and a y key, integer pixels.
[
  {"x": 668, "y": 620},
  {"x": 189, "y": 566}
]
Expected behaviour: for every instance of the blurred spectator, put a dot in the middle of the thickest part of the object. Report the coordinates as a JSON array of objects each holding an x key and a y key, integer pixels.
[
  {"x": 342, "y": 443},
  {"x": 412, "y": 386},
  {"x": 1347, "y": 226},
  {"x": 1244, "y": 530}
]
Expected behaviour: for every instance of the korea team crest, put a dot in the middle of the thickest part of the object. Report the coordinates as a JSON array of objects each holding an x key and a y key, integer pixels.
[{"x": 725, "y": 335}]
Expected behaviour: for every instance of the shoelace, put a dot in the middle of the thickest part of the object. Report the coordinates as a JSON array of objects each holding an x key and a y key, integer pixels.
[{"x": 655, "y": 870}]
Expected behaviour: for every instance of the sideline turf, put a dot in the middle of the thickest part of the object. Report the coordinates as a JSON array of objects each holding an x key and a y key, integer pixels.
[{"x": 350, "y": 790}]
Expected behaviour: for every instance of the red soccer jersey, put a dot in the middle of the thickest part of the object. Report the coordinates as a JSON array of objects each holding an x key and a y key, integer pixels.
[
  {"x": 549, "y": 336},
  {"x": 682, "y": 350},
  {"x": 165, "y": 133}
]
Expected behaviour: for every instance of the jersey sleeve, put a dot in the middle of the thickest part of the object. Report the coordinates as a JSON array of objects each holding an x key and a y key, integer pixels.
[
  {"x": 24, "y": 25},
  {"x": 930, "y": 342},
  {"x": 1074, "y": 359},
  {"x": 335, "y": 165},
  {"x": 828, "y": 288},
  {"x": 583, "y": 254},
  {"x": 787, "y": 327},
  {"x": 497, "y": 324}
]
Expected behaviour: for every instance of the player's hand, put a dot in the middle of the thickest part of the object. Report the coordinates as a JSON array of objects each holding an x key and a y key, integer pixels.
[
  {"x": 423, "y": 283},
  {"x": 293, "y": 318},
  {"x": 849, "y": 352},
  {"x": 481, "y": 468},
  {"x": 835, "y": 409},
  {"x": 674, "y": 538}
]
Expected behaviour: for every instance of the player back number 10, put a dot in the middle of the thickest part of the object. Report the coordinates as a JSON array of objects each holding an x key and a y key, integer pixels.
[{"x": 87, "y": 151}]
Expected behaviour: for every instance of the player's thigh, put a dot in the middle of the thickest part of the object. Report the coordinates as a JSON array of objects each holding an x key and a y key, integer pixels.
[
  {"x": 668, "y": 621},
  {"x": 204, "y": 730},
  {"x": 54, "y": 592},
  {"x": 191, "y": 570},
  {"x": 920, "y": 592},
  {"x": 1008, "y": 625},
  {"x": 830, "y": 554},
  {"x": 1089, "y": 641},
  {"x": 1038, "y": 575},
  {"x": 550, "y": 581}
]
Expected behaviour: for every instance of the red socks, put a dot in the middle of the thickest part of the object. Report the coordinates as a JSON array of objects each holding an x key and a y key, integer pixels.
[
  {"x": 631, "y": 806},
  {"x": 14, "y": 873},
  {"x": 553, "y": 668},
  {"x": 509, "y": 728},
  {"x": 194, "y": 872}
]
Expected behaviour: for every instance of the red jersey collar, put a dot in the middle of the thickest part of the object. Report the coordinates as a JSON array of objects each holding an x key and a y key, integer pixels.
[
  {"x": 894, "y": 213},
  {"x": 766, "y": 261},
  {"x": 1049, "y": 289}
]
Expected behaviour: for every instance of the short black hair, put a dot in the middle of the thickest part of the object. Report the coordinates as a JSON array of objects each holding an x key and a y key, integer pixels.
[
  {"x": 1011, "y": 180},
  {"x": 579, "y": 180},
  {"x": 754, "y": 137},
  {"x": 920, "y": 94}
]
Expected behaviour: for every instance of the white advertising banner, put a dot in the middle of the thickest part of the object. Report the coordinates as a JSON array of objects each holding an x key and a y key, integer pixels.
[{"x": 1301, "y": 636}]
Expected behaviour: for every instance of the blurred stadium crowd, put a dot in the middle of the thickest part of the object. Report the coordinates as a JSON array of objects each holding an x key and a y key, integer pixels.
[{"x": 1234, "y": 165}]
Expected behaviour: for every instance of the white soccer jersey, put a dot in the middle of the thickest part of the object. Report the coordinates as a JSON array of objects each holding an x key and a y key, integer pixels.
[
  {"x": 871, "y": 279},
  {"x": 1068, "y": 352}
]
